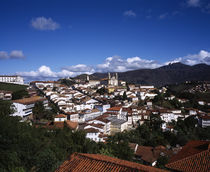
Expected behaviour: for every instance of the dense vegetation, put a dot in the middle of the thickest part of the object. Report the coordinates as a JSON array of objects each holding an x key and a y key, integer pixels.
[
  {"x": 150, "y": 134},
  {"x": 11, "y": 87},
  {"x": 182, "y": 91},
  {"x": 40, "y": 112},
  {"x": 28, "y": 148},
  {"x": 5, "y": 107}
]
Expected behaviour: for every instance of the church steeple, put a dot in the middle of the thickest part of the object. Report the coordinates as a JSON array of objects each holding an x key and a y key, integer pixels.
[{"x": 88, "y": 78}]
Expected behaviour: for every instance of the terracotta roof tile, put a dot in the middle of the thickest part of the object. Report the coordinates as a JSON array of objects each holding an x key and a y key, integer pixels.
[
  {"x": 91, "y": 130},
  {"x": 60, "y": 124},
  {"x": 60, "y": 116},
  {"x": 146, "y": 153},
  {"x": 193, "y": 157},
  {"x": 72, "y": 125},
  {"x": 97, "y": 163},
  {"x": 29, "y": 100},
  {"x": 116, "y": 108}
]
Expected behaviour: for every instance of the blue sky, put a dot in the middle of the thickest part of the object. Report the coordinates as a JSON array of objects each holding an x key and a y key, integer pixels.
[{"x": 58, "y": 38}]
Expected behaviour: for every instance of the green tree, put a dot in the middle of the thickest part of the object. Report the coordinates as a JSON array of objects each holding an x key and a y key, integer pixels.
[
  {"x": 162, "y": 161},
  {"x": 38, "y": 110},
  {"x": 6, "y": 107},
  {"x": 19, "y": 94},
  {"x": 124, "y": 96},
  {"x": 46, "y": 160}
]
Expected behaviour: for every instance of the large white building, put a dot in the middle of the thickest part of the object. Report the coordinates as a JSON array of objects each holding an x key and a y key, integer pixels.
[
  {"x": 15, "y": 79},
  {"x": 23, "y": 107}
]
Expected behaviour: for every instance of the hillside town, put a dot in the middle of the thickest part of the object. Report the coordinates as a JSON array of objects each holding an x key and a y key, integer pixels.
[{"x": 105, "y": 107}]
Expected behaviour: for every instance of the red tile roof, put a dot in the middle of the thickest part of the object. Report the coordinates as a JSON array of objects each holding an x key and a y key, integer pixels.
[
  {"x": 29, "y": 100},
  {"x": 116, "y": 108},
  {"x": 60, "y": 116},
  {"x": 72, "y": 125},
  {"x": 146, "y": 153},
  {"x": 96, "y": 163},
  {"x": 91, "y": 130},
  {"x": 60, "y": 124},
  {"x": 193, "y": 157}
]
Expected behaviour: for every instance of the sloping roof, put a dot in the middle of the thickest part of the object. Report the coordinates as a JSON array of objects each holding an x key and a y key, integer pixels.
[
  {"x": 103, "y": 118},
  {"x": 60, "y": 124},
  {"x": 94, "y": 162},
  {"x": 116, "y": 108},
  {"x": 146, "y": 153},
  {"x": 60, "y": 116},
  {"x": 29, "y": 100},
  {"x": 96, "y": 125},
  {"x": 193, "y": 157},
  {"x": 71, "y": 124},
  {"x": 91, "y": 130}
]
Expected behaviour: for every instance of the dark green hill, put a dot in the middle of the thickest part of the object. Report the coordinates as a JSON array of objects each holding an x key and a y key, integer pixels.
[
  {"x": 169, "y": 74},
  {"x": 18, "y": 91},
  {"x": 11, "y": 87}
]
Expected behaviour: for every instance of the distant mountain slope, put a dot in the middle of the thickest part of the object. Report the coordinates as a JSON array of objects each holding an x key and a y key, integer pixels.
[{"x": 169, "y": 74}]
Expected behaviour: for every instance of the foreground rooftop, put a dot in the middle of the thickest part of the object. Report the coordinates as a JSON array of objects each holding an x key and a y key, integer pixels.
[{"x": 95, "y": 162}]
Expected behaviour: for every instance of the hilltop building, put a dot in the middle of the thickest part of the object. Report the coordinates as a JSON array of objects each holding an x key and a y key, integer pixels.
[
  {"x": 113, "y": 80},
  {"x": 15, "y": 79}
]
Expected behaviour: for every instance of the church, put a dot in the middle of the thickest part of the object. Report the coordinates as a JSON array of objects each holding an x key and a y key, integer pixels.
[{"x": 113, "y": 80}]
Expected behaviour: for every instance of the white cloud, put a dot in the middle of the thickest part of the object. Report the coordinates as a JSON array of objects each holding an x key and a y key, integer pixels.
[
  {"x": 80, "y": 68},
  {"x": 14, "y": 54},
  {"x": 42, "y": 23},
  {"x": 4, "y": 55},
  {"x": 118, "y": 64},
  {"x": 193, "y": 3},
  {"x": 45, "y": 72},
  {"x": 192, "y": 59},
  {"x": 163, "y": 16},
  {"x": 112, "y": 64},
  {"x": 129, "y": 13}
]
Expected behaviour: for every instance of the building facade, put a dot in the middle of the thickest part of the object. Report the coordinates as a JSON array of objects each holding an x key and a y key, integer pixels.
[
  {"x": 15, "y": 79},
  {"x": 113, "y": 80}
]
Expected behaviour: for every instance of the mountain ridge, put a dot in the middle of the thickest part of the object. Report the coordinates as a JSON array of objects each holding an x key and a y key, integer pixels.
[{"x": 168, "y": 74}]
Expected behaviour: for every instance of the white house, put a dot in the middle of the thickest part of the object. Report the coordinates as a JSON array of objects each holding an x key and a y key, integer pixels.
[
  {"x": 204, "y": 121},
  {"x": 89, "y": 115},
  {"x": 103, "y": 119},
  {"x": 102, "y": 107},
  {"x": 73, "y": 116},
  {"x": 169, "y": 115},
  {"x": 23, "y": 107},
  {"x": 94, "y": 134},
  {"x": 60, "y": 118},
  {"x": 117, "y": 125}
]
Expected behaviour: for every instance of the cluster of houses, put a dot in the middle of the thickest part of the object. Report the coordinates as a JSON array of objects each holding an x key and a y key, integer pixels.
[{"x": 81, "y": 106}]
